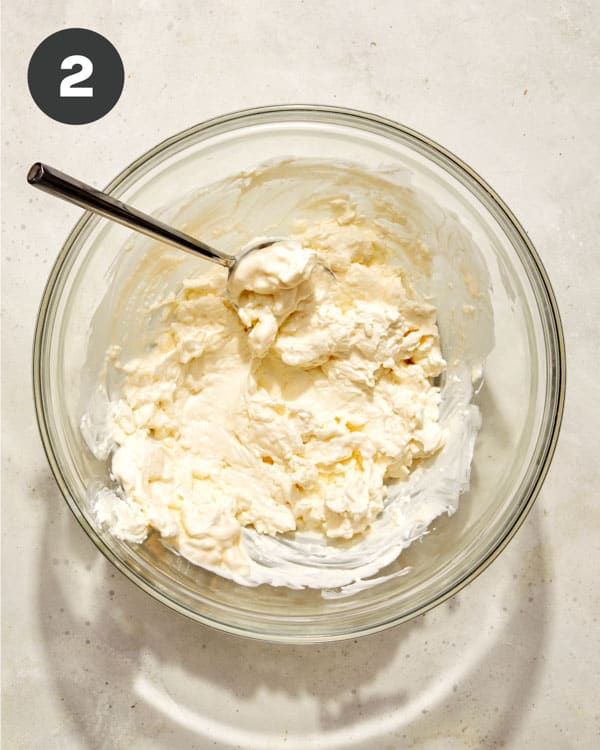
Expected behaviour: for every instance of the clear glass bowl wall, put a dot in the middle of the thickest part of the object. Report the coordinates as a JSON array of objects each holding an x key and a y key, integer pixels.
[{"x": 521, "y": 399}]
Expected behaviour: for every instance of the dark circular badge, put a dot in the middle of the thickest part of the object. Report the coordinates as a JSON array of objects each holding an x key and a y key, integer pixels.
[{"x": 75, "y": 76}]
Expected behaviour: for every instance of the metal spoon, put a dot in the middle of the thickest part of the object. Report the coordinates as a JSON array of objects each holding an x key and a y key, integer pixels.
[{"x": 70, "y": 189}]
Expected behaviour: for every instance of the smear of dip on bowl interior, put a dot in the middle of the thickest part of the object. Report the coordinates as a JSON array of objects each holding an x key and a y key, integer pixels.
[{"x": 302, "y": 427}]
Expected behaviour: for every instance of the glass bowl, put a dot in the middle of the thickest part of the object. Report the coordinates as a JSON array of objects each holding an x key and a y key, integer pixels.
[{"x": 521, "y": 400}]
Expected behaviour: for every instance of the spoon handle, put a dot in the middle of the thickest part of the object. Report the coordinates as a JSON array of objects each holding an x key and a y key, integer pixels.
[{"x": 63, "y": 186}]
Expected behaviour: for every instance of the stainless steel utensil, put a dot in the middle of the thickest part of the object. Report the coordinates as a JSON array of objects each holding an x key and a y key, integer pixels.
[{"x": 73, "y": 190}]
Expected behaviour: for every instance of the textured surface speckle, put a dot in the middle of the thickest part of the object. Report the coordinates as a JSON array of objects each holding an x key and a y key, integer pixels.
[{"x": 513, "y": 661}]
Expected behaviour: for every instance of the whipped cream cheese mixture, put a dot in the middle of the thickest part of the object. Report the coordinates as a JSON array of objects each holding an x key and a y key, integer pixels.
[{"x": 283, "y": 407}]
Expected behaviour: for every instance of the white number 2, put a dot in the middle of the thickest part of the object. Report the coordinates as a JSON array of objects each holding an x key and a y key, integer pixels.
[{"x": 87, "y": 68}]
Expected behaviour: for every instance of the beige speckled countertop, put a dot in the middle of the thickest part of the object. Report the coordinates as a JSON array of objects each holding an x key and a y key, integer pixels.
[{"x": 513, "y": 661}]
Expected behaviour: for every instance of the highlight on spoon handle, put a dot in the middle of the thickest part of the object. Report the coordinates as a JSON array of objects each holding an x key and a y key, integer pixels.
[{"x": 70, "y": 189}]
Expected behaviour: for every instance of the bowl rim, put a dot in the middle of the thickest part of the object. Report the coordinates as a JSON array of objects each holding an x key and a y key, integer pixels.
[{"x": 555, "y": 391}]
